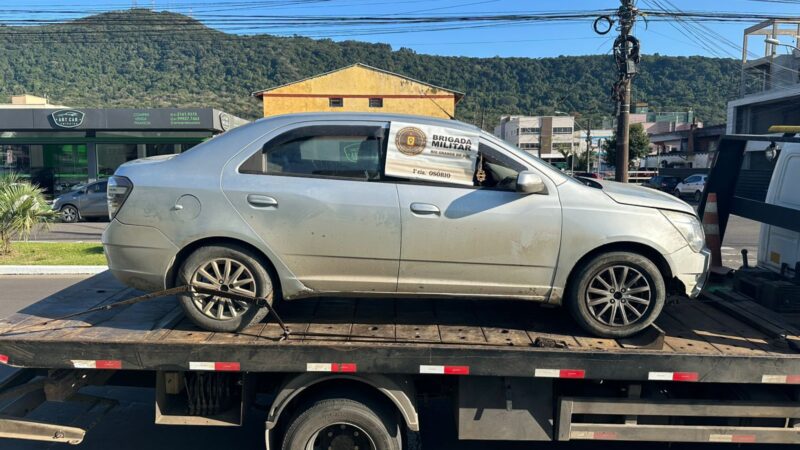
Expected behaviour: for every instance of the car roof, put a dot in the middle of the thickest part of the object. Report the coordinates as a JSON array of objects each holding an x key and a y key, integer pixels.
[{"x": 360, "y": 117}]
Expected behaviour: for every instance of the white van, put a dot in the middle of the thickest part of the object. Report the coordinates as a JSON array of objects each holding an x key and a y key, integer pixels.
[{"x": 779, "y": 245}]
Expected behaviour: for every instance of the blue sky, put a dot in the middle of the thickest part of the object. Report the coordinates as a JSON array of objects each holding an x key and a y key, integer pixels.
[{"x": 519, "y": 39}]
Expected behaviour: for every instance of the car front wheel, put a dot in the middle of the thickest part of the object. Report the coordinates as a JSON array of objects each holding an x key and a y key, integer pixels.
[
  {"x": 676, "y": 193},
  {"x": 616, "y": 294},
  {"x": 69, "y": 214},
  {"x": 226, "y": 268}
]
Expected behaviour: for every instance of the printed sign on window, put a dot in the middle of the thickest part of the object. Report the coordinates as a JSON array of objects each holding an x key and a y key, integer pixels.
[{"x": 431, "y": 153}]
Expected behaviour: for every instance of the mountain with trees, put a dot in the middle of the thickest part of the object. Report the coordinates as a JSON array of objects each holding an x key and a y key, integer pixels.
[{"x": 140, "y": 58}]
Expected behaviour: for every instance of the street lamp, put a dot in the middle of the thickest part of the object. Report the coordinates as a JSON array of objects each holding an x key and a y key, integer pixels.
[{"x": 776, "y": 41}]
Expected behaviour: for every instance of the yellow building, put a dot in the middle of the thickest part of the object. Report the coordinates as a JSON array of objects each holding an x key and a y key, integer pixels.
[{"x": 360, "y": 88}]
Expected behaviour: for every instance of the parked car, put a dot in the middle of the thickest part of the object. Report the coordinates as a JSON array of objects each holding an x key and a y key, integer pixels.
[
  {"x": 592, "y": 175},
  {"x": 300, "y": 205},
  {"x": 662, "y": 183},
  {"x": 691, "y": 187},
  {"x": 83, "y": 202}
]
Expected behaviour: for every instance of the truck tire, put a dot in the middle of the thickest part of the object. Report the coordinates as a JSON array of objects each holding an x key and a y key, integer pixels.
[
  {"x": 224, "y": 267},
  {"x": 616, "y": 294},
  {"x": 343, "y": 423}
]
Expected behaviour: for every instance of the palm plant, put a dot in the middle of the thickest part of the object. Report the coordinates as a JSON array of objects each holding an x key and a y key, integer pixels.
[{"x": 22, "y": 208}]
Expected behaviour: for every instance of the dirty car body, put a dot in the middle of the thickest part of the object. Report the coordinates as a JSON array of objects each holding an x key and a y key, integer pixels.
[{"x": 322, "y": 227}]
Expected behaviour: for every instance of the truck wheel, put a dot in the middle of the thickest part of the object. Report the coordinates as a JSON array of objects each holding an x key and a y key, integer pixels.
[
  {"x": 225, "y": 268},
  {"x": 343, "y": 424},
  {"x": 616, "y": 294},
  {"x": 69, "y": 214}
]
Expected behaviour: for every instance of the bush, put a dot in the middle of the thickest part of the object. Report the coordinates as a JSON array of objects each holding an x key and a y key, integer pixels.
[{"x": 22, "y": 208}]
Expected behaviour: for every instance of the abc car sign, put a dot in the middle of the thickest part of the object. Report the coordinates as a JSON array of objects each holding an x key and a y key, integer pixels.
[{"x": 68, "y": 118}]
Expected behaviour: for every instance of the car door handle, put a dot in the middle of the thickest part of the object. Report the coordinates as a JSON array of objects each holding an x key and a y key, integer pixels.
[
  {"x": 262, "y": 201},
  {"x": 425, "y": 209}
]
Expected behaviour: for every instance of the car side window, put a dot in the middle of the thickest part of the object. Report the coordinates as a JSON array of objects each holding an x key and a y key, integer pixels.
[
  {"x": 99, "y": 187},
  {"x": 495, "y": 170},
  {"x": 691, "y": 179},
  {"x": 353, "y": 152}
]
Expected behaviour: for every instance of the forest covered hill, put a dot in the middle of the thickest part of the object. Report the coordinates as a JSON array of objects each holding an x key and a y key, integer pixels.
[{"x": 139, "y": 58}]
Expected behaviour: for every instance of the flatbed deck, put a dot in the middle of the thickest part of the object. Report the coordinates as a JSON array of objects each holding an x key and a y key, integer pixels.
[{"x": 701, "y": 342}]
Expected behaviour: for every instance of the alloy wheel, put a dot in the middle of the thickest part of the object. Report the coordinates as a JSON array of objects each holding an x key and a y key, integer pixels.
[
  {"x": 227, "y": 275},
  {"x": 618, "y": 296},
  {"x": 340, "y": 436},
  {"x": 69, "y": 214}
]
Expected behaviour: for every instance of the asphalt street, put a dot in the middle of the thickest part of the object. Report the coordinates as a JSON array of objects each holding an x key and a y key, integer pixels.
[{"x": 62, "y": 232}]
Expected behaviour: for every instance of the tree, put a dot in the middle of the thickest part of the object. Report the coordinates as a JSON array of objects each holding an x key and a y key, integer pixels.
[
  {"x": 638, "y": 141},
  {"x": 22, "y": 208}
]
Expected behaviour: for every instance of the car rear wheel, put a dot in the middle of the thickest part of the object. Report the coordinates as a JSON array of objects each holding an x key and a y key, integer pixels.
[
  {"x": 616, "y": 294},
  {"x": 227, "y": 268},
  {"x": 69, "y": 214}
]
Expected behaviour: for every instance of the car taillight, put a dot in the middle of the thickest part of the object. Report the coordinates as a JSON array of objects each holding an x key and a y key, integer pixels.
[{"x": 119, "y": 188}]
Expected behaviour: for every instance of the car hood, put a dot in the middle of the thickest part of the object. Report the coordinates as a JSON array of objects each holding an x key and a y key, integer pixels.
[{"x": 629, "y": 194}]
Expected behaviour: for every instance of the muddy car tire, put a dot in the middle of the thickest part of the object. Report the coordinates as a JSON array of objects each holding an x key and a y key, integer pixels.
[
  {"x": 224, "y": 267},
  {"x": 616, "y": 294}
]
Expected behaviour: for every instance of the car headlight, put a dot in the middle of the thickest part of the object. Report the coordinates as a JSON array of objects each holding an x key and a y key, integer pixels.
[{"x": 690, "y": 228}]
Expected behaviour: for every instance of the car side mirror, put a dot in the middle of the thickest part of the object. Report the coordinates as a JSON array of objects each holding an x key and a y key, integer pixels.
[{"x": 530, "y": 183}]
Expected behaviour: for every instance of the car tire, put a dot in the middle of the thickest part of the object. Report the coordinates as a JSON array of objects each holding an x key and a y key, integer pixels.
[
  {"x": 235, "y": 265},
  {"x": 616, "y": 294},
  {"x": 676, "y": 193},
  {"x": 343, "y": 423},
  {"x": 698, "y": 196},
  {"x": 69, "y": 214}
]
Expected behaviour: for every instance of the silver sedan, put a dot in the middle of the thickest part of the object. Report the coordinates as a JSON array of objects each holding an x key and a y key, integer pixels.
[{"x": 306, "y": 205}]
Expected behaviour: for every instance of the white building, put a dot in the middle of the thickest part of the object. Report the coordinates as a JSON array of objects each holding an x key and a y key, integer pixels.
[
  {"x": 549, "y": 137},
  {"x": 770, "y": 86}
]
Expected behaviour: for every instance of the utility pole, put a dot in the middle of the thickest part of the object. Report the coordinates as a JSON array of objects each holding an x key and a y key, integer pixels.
[
  {"x": 589, "y": 145},
  {"x": 626, "y": 55}
]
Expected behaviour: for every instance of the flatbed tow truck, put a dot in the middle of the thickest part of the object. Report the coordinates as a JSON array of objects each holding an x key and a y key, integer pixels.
[{"x": 722, "y": 368}]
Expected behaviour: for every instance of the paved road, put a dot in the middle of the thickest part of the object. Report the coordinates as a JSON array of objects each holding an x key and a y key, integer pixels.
[
  {"x": 741, "y": 234},
  {"x": 81, "y": 231}
]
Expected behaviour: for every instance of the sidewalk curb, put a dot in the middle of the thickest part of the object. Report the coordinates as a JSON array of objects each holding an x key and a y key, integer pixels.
[{"x": 52, "y": 270}]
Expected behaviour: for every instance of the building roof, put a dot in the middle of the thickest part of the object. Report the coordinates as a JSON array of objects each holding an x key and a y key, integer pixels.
[{"x": 458, "y": 95}]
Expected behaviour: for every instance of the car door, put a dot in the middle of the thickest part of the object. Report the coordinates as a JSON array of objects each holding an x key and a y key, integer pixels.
[
  {"x": 688, "y": 185},
  {"x": 487, "y": 239},
  {"x": 93, "y": 202},
  {"x": 314, "y": 194}
]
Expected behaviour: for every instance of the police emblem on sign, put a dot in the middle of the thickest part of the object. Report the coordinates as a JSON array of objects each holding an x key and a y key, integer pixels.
[{"x": 410, "y": 141}]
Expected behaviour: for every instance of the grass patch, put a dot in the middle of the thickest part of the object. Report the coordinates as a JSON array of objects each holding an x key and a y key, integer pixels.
[{"x": 54, "y": 253}]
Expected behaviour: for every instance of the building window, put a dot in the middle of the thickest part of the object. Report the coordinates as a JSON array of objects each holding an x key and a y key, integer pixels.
[
  {"x": 336, "y": 102},
  {"x": 562, "y": 130},
  {"x": 376, "y": 102},
  {"x": 562, "y": 147},
  {"x": 529, "y": 145},
  {"x": 536, "y": 130}
]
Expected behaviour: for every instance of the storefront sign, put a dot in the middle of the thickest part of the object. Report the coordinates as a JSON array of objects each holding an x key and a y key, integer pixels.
[
  {"x": 68, "y": 118},
  {"x": 422, "y": 152}
]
